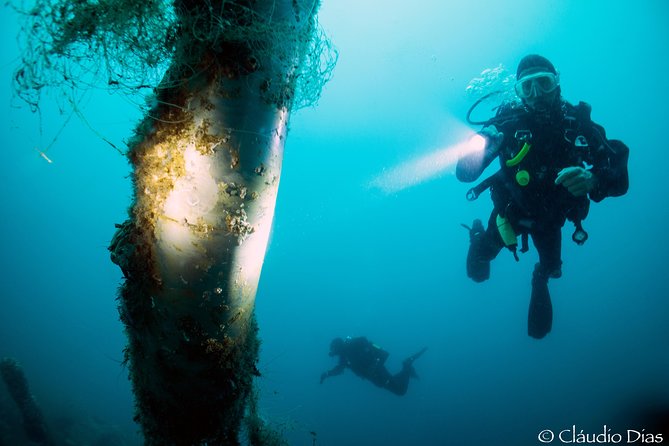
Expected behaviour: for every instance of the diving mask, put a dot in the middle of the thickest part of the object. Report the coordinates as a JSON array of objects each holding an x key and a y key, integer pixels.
[{"x": 536, "y": 84}]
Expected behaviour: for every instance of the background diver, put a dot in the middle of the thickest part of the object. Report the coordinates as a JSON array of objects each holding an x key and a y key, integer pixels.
[
  {"x": 367, "y": 360},
  {"x": 553, "y": 160}
]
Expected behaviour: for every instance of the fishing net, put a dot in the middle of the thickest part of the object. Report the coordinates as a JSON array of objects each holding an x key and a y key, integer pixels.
[{"x": 69, "y": 46}]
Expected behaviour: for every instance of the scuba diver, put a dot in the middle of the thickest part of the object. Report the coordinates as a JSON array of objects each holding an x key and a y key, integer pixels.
[
  {"x": 367, "y": 361},
  {"x": 553, "y": 160}
]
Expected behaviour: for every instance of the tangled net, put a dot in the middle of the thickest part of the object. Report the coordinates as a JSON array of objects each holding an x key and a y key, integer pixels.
[{"x": 127, "y": 45}]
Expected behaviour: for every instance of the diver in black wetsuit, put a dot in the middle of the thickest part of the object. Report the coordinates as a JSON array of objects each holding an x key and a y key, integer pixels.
[
  {"x": 553, "y": 161},
  {"x": 367, "y": 360}
]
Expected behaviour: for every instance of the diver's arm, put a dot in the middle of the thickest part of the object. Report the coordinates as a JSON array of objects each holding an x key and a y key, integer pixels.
[
  {"x": 609, "y": 166},
  {"x": 471, "y": 166},
  {"x": 337, "y": 370}
]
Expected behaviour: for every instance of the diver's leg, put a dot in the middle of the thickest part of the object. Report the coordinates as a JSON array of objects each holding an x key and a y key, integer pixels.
[
  {"x": 399, "y": 383},
  {"x": 540, "y": 314},
  {"x": 484, "y": 245},
  {"x": 381, "y": 377},
  {"x": 549, "y": 247}
]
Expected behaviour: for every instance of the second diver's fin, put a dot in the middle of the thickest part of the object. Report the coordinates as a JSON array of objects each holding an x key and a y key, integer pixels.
[
  {"x": 412, "y": 358},
  {"x": 408, "y": 363}
]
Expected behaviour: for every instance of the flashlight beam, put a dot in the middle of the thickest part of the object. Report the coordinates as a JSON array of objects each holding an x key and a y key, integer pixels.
[{"x": 427, "y": 167}]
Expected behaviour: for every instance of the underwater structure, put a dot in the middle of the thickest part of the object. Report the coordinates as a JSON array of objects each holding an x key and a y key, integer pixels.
[
  {"x": 34, "y": 424},
  {"x": 206, "y": 163}
]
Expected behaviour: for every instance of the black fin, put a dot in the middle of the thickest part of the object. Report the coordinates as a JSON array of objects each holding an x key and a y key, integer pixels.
[
  {"x": 415, "y": 356},
  {"x": 540, "y": 316}
]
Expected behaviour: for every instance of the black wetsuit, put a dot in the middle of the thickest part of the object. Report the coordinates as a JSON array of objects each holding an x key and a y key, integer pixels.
[
  {"x": 367, "y": 360},
  {"x": 540, "y": 208}
]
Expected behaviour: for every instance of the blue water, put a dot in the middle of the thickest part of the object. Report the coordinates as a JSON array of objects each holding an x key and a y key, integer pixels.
[{"x": 346, "y": 258}]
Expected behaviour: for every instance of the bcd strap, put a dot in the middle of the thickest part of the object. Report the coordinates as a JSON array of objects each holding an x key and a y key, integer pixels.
[
  {"x": 583, "y": 111},
  {"x": 476, "y": 191},
  {"x": 525, "y": 245}
]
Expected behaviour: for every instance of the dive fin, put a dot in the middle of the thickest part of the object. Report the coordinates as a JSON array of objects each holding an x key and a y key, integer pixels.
[
  {"x": 415, "y": 356},
  {"x": 407, "y": 364},
  {"x": 478, "y": 268},
  {"x": 540, "y": 315}
]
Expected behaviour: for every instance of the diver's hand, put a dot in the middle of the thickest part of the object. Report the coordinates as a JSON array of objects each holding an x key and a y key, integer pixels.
[
  {"x": 493, "y": 139},
  {"x": 472, "y": 163},
  {"x": 578, "y": 181},
  {"x": 323, "y": 376}
]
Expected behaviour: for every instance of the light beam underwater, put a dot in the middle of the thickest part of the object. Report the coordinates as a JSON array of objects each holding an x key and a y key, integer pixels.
[{"x": 427, "y": 167}]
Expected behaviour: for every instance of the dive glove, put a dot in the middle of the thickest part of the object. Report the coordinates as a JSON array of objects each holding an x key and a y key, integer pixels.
[{"x": 578, "y": 181}]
